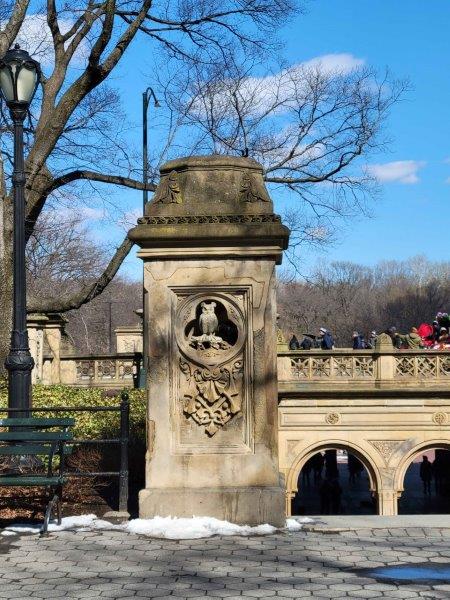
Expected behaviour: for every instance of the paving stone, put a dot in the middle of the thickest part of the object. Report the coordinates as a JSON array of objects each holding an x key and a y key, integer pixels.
[{"x": 118, "y": 565}]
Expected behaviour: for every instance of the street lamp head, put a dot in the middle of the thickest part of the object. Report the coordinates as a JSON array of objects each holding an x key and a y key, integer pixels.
[
  {"x": 157, "y": 104},
  {"x": 19, "y": 77}
]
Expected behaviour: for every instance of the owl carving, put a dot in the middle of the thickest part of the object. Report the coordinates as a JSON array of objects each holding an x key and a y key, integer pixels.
[{"x": 208, "y": 318}]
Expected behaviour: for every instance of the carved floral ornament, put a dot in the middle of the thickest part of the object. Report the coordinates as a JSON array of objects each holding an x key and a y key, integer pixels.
[
  {"x": 386, "y": 447},
  {"x": 333, "y": 418},
  {"x": 440, "y": 418},
  {"x": 210, "y": 335}
]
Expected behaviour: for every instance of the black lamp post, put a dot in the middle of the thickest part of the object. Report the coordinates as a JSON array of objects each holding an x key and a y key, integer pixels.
[
  {"x": 146, "y": 96},
  {"x": 19, "y": 78},
  {"x": 149, "y": 93}
]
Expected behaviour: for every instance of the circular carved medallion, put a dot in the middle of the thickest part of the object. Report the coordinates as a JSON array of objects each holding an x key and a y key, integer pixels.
[
  {"x": 210, "y": 329},
  {"x": 333, "y": 418},
  {"x": 439, "y": 418}
]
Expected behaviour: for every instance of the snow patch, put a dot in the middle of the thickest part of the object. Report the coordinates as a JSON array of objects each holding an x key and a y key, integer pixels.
[
  {"x": 297, "y": 523},
  {"x": 171, "y": 528},
  {"x": 198, "y": 527}
]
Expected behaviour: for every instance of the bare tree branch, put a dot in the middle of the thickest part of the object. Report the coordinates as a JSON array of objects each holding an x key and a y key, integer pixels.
[
  {"x": 57, "y": 182},
  {"x": 87, "y": 293},
  {"x": 9, "y": 33}
]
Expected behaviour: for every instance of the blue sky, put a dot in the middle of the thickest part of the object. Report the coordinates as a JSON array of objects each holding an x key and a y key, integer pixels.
[{"x": 411, "y": 39}]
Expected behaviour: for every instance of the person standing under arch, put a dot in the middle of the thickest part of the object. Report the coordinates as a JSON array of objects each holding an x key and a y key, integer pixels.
[{"x": 426, "y": 474}]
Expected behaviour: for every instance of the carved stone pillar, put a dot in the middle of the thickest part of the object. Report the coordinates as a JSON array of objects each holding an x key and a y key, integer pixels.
[{"x": 210, "y": 242}]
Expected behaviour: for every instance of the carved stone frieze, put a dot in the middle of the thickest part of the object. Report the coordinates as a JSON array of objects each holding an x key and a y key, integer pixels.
[
  {"x": 210, "y": 334},
  {"x": 386, "y": 447},
  {"x": 168, "y": 191},
  {"x": 207, "y": 219}
]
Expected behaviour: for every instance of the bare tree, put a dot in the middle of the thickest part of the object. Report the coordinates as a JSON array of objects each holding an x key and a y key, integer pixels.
[
  {"x": 312, "y": 126},
  {"x": 61, "y": 257},
  {"x": 67, "y": 142},
  {"x": 345, "y": 296}
]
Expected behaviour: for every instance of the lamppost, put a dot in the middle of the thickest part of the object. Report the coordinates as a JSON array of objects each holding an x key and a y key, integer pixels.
[
  {"x": 19, "y": 78},
  {"x": 146, "y": 96}
]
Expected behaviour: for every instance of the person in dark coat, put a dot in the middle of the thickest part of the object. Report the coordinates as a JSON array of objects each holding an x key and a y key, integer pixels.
[
  {"x": 306, "y": 343},
  {"x": 336, "y": 492},
  {"x": 426, "y": 473},
  {"x": 358, "y": 341},
  {"x": 326, "y": 492},
  {"x": 318, "y": 461},
  {"x": 294, "y": 343},
  {"x": 326, "y": 339},
  {"x": 371, "y": 342}
]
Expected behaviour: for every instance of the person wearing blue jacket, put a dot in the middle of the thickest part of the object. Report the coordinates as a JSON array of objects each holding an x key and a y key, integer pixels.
[{"x": 326, "y": 339}]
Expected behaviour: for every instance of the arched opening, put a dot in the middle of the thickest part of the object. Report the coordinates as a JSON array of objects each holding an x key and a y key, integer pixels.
[
  {"x": 426, "y": 482},
  {"x": 334, "y": 479}
]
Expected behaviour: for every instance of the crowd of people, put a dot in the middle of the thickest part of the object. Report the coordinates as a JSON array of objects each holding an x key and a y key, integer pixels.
[
  {"x": 434, "y": 336},
  {"x": 321, "y": 470}
]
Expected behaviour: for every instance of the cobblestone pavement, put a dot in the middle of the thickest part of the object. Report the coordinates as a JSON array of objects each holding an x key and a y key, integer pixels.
[{"x": 116, "y": 565}]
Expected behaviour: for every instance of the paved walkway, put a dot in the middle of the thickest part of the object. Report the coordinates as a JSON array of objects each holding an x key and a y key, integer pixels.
[
  {"x": 326, "y": 523},
  {"x": 118, "y": 565}
]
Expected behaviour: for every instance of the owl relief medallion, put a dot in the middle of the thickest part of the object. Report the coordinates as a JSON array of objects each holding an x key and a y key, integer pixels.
[{"x": 210, "y": 335}]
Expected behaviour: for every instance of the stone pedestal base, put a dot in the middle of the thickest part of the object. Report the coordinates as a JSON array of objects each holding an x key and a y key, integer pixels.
[{"x": 248, "y": 506}]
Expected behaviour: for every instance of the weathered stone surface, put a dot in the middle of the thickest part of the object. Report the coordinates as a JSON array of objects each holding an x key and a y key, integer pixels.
[{"x": 210, "y": 242}]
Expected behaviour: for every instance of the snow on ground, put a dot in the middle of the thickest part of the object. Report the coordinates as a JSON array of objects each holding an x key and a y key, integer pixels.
[
  {"x": 297, "y": 523},
  {"x": 172, "y": 528}
]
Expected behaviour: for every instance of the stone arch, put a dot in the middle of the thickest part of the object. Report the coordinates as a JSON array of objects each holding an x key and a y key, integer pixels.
[
  {"x": 334, "y": 444},
  {"x": 406, "y": 460}
]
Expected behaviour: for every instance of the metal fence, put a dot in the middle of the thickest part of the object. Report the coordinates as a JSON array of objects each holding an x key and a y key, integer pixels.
[{"x": 123, "y": 440}]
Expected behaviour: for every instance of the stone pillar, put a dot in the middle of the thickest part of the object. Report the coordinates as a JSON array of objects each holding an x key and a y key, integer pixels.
[
  {"x": 387, "y": 503},
  {"x": 210, "y": 243},
  {"x": 128, "y": 339},
  {"x": 46, "y": 334},
  {"x": 385, "y": 357},
  {"x": 35, "y": 326}
]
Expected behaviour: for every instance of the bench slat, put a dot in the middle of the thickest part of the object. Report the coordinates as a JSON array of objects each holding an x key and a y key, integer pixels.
[
  {"x": 35, "y": 436},
  {"x": 37, "y": 422},
  {"x": 30, "y": 449},
  {"x": 36, "y": 480}
]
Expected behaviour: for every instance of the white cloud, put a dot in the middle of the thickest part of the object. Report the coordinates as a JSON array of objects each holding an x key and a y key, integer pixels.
[
  {"x": 286, "y": 88},
  {"x": 334, "y": 63},
  {"x": 82, "y": 213},
  {"x": 92, "y": 214},
  {"x": 35, "y": 37},
  {"x": 401, "y": 171}
]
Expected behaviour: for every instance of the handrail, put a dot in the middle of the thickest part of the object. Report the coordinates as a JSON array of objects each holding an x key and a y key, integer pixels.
[{"x": 123, "y": 440}]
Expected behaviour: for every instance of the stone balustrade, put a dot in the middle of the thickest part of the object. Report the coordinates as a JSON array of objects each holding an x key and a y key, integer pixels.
[
  {"x": 398, "y": 367},
  {"x": 108, "y": 371}
]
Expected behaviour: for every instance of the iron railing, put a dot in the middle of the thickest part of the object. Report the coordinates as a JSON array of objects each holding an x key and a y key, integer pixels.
[{"x": 123, "y": 440}]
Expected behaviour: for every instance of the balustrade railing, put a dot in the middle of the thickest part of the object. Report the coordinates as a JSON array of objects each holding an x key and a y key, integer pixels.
[
  {"x": 111, "y": 371},
  {"x": 364, "y": 365}
]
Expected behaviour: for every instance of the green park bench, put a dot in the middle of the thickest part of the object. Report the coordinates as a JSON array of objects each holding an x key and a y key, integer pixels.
[{"x": 45, "y": 438}]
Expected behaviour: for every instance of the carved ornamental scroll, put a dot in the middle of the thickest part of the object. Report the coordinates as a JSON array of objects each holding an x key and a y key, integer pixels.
[{"x": 210, "y": 336}]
